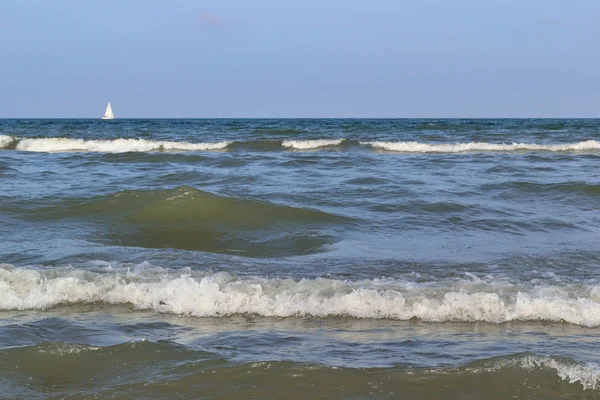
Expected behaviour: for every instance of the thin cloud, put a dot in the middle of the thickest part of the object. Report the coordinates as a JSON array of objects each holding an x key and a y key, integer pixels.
[{"x": 206, "y": 18}]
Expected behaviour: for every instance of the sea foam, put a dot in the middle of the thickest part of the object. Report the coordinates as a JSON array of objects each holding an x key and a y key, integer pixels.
[
  {"x": 417, "y": 147},
  {"x": 5, "y": 140},
  {"x": 204, "y": 294},
  {"x": 143, "y": 145},
  {"x": 311, "y": 144},
  {"x": 588, "y": 374},
  {"x": 112, "y": 146}
]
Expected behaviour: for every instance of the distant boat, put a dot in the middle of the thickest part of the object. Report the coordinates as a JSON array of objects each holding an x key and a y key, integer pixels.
[{"x": 108, "y": 114}]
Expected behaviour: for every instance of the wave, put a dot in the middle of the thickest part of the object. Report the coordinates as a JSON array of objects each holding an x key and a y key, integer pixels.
[
  {"x": 262, "y": 145},
  {"x": 5, "y": 140},
  {"x": 311, "y": 144},
  {"x": 191, "y": 219},
  {"x": 143, "y": 145},
  {"x": 588, "y": 375},
  {"x": 107, "y": 146},
  {"x": 214, "y": 294},
  {"x": 416, "y": 147},
  {"x": 159, "y": 369}
]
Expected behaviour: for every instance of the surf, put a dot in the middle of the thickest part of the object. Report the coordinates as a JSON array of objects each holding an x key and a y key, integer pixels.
[
  {"x": 112, "y": 146},
  {"x": 198, "y": 293},
  {"x": 417, "y": 147}
]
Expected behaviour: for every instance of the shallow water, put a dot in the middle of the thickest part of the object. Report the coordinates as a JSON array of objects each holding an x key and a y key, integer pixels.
[{"x": 299, "y": 258}]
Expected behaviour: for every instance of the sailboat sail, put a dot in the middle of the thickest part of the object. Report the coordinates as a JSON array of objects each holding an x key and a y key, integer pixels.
[{"x": 108, "y": 114}]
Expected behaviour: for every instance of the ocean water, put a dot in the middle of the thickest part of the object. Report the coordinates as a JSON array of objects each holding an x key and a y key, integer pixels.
[{"x": 338, "y": 258}]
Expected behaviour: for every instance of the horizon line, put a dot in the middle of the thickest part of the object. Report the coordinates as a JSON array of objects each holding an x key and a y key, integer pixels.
[{"x": 208, "y": 118}]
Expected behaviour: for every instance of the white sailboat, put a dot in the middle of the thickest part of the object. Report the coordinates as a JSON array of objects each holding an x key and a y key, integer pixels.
[{"x": 108, "y": 114}]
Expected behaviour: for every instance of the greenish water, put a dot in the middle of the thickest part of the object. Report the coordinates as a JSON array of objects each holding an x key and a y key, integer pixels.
[{"x": 448, "y": 259}]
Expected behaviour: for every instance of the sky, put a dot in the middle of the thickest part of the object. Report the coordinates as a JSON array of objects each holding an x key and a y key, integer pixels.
[{"x": 292, "y": 58}]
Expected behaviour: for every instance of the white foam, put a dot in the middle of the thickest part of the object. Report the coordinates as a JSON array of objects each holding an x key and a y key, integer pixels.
[
  {"x": 416, "y": 147},
  {"x": 311, "y": 144},
  {"x": 5, "y": 140},
  {"x": 111, "y": 146},
  {"x": 588, "y": 375},
  {"x": 214, "y": 294},
  {"x": 66, "y": 348}
]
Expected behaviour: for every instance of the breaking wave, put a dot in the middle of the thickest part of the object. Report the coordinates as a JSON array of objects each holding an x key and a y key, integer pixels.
[
  {"x": 588, "y": 375},
  {"x": 107, "y": 146},
  {"x": 143, "y": 145},
  {"x": 213, "y": 294},
  {"x": 416, "y": 147},
  {"x": 311, "y": 144},
  {"x": 5, "y": 140}
]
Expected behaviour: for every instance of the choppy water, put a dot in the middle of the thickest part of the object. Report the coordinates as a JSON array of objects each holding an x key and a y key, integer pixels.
[{"x": 448, "y": 259}]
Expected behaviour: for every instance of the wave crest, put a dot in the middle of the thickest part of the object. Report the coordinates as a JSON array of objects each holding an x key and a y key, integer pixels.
[
  {"x": 311, "y": 144},
  {"x": 588, "y": 375},
  {"x": 417, "y": 147},
  {"x": 112, "y": 146},
  {"x": 204, "y": 294},
  {"x": 5, "y": 140},
  {"x": 143, "y": 145}
]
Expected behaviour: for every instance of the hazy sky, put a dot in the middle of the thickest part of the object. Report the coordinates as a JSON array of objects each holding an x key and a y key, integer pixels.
[{"x": 300, "y": 58}]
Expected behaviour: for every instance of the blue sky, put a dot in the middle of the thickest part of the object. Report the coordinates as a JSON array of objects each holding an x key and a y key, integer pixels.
[{"x": 309, "y": 58}]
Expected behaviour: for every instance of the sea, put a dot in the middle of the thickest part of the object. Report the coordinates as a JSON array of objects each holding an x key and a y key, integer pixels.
[{"x": 300, "y": 259}]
